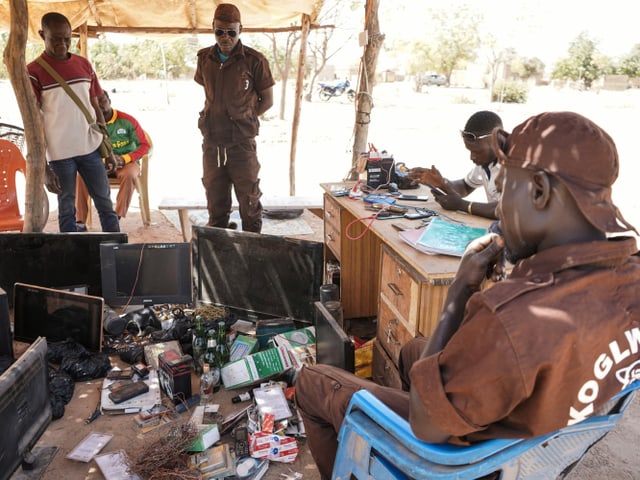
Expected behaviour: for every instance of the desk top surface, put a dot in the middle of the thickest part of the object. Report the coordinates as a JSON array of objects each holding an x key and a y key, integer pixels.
[{"x": 432, "y": 266}]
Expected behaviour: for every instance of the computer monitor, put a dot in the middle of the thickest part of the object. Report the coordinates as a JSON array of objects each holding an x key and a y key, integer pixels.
[
  {"x": 25, "y": 409},
  {"x": 333, "y": 345},
  {"x": 255, "y": 275},
  {"x": 53, "y": 260},
  {"x": 57, "y": 315},
  {"x": 146, "y": 273}
]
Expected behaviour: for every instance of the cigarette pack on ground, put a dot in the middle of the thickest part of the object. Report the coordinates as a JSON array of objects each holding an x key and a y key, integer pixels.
[
  {"x": 273, "y": 447},
  {"x": 255, "y": 368}
]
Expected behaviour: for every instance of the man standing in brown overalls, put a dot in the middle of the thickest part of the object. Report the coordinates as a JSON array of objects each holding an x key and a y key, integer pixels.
[{"x": 238, "y": 87}]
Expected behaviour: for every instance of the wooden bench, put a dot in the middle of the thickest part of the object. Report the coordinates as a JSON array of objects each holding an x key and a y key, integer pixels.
[{"x": 183, "y": 205}]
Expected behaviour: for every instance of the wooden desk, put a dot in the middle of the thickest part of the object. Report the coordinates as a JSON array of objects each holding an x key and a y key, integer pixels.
[{"x": 384, "y": 277}]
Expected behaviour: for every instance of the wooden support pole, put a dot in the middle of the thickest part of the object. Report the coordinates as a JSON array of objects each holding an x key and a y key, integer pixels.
[
  {"x": 36, "y": 202},
  {"x": 364, "y": 95},
  {"x": 306, "y": 26}
]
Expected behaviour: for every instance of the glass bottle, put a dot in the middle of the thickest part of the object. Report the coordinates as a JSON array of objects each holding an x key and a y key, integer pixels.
[
  {"x": 199, "y": 345},
  {"x": 211, "y": 358},
  {"x": 206, "y": 385},
  {"x": 222, "y": 346}
]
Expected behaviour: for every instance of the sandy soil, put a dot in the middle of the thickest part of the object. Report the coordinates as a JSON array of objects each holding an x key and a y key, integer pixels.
[{"x": 419, "y": 129}]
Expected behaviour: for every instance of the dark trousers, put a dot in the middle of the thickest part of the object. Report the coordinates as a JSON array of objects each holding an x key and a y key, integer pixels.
[
  {"x": 237, "y": 166},
  {"x": 323, "y": 393}
]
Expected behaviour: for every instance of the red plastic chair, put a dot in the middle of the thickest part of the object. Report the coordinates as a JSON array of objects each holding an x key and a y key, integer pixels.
[{"x": 11, "y": 162}]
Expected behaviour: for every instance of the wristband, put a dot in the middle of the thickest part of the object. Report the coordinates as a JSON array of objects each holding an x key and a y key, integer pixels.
[{"x": 469, "y": 208}]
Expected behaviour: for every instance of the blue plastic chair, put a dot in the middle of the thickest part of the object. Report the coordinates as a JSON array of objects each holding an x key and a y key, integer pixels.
[{"x": 376, "y": 443}]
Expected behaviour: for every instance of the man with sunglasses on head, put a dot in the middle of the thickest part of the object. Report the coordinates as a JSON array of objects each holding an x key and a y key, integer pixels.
[
  {"x": 238, "y": 87},
  {"x": 450, "y": 193}
]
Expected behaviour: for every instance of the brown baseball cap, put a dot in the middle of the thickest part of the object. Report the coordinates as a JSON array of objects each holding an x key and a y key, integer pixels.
[
  {"x": 227, "y": 12},
  {"x": 577, "y": 152}
]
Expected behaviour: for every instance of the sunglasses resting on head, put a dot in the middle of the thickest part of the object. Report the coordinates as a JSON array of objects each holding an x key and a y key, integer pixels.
[{"x": 472, "y": 137}]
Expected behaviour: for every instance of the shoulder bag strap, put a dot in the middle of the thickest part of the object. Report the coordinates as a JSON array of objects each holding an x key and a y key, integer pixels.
[{"x": 56, "y": 76}]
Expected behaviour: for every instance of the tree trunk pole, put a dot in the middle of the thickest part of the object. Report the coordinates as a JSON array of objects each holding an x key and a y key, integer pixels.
[
  {"x": 36, "y": 202},
  {"x": 306, "y": 26},
  {"x": 364, "y": 96}
]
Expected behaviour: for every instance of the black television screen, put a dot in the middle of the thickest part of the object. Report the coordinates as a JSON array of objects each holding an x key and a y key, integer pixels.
[
  {"x": 25, "y": 407},
  {"x": 57, "y": 315},
  {"x": 333, "y": 345},
  {"x": 53, "y": 259},
  {"x": 146, "y": 273},
  {"x": 257, "y": 275}
]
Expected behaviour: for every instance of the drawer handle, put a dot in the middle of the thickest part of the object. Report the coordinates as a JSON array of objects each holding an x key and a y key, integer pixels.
[
  {"x": 390, "y": 338},
  {"x": 328, "y": 214},
  {"x": 329, "y": 237},
  {"x": 394, "y": 288}
]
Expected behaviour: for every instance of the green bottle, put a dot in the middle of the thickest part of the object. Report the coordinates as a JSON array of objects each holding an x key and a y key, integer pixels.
[
  {"x": 199, "y": 344},
  {"x": 222, "y": 346},
  {"x": 211, "y": 358}
]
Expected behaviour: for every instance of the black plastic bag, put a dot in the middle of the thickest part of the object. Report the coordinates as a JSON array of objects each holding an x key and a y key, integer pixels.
[
  {"x": 86, "y": 367},
  {"x": 61, "y": 387},
  {"x": 69, "y": 348}
]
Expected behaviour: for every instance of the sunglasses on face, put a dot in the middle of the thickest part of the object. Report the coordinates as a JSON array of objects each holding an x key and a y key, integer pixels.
[
  {"x": 230, "y": 33},
  {"x": 472, "y": 137}
]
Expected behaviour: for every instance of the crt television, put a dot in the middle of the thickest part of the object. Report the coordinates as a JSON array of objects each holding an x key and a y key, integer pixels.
[
  {"x": 256, "y": 275},
  {"x": 333, "y": 345},
  {"x": 146, "y": 273},
  {"x": 53, "y": 260}
]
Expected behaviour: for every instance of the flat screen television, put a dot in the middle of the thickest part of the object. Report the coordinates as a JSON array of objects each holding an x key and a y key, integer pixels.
[
  {"x": 25, "y": 407},
  {"x": 146, "y": 273},
  {"x": 57, "y": 315},
  {"x": 53, "y": 259},
  {"x": 255, "y": 275},
  {"x": 333, "y": 345}
]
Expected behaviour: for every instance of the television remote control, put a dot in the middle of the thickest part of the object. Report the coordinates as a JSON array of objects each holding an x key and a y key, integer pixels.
[{"x": 241, "y": 445}]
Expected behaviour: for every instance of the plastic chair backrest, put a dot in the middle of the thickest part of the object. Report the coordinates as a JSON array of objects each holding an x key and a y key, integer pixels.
[
  {"x": 376, "y": 442},
  {"x": 11, "y": 162}
]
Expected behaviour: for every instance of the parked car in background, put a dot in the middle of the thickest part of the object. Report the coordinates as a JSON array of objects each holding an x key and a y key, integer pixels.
[{"x": 430, "y": 79}]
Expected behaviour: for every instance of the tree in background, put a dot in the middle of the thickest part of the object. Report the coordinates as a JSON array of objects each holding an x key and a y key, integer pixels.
[
  {"x": 147, "y": 58},
  {"x": 584, "y": 64},
  {"x": 453, "y": 41},
  {"x": 281, "y": 59},
  {"x": 630, "y": 64},
  {"x": 324, "y": 43}
]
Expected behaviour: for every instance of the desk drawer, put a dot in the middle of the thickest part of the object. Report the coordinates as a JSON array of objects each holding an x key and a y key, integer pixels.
[
  {"x": 392, "y": 331},
  {"x": 332, "y": 231},
  {"x": 383, "y": 370},
  {"x": 400, "y": 287}
]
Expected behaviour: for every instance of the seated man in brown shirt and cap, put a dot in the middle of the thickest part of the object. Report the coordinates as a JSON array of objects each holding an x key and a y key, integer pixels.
[{"x": 539, "y": 350}]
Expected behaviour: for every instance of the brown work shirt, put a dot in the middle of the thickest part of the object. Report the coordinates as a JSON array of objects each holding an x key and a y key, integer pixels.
[
  {"x": 231, "y": 93},
  {"x": 541, "y": 350}
]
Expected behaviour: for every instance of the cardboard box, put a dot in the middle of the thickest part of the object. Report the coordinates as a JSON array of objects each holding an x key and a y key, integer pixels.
[
  {"x": 301, "y": 343},
  {"x": 175, "y": 375},
  {"x": 243, "y": 346},
  {"x": 273, "y": 447},
  {"x": 207, "y": 436},
  {"x": 255, "y": 368}
]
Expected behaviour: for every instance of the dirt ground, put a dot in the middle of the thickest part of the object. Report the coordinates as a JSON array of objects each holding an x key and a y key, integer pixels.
[{"x": 419, "y": 129}]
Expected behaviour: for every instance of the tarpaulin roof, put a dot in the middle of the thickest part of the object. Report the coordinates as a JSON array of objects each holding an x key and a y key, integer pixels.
[{"x": 163, "y": 16}]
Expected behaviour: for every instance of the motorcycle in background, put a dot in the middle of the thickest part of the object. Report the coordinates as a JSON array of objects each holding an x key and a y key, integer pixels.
[{"x": 328, "y": 90}]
